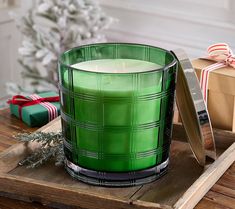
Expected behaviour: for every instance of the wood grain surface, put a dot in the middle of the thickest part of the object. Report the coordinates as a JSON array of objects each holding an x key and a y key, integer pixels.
[{"x": 221, "y": 195}]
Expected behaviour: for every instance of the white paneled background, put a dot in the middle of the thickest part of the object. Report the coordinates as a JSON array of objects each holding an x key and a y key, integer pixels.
[
  {"x": 10, "y": 40},
  {"x": 189, "y": 24}
]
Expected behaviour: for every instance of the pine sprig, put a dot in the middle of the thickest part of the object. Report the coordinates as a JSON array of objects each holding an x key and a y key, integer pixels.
[{"x": 51, "y": 148}]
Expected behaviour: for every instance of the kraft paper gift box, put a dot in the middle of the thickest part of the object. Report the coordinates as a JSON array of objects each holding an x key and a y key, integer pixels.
[{"x": 221, "y": 94}]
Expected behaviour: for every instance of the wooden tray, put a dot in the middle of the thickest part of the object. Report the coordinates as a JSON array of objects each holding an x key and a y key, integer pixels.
[{"x": 182, "y": 187}]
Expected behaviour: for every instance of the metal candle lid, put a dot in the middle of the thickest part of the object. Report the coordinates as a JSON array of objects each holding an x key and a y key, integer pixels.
[{"x": 193, "y": 110}]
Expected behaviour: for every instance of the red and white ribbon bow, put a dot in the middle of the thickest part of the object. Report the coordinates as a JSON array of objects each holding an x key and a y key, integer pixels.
[
  {"x": 223, "y": 55},
  {"x": 52, "y": 109},
  {"x": 34, "y": 99}
]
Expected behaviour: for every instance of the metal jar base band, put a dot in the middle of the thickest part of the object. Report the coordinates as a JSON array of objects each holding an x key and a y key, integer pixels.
[{"x": 112, "y": 179}]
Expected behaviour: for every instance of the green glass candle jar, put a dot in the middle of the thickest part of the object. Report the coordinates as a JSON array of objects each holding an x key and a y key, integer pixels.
[{"x": 117, "y": 107}]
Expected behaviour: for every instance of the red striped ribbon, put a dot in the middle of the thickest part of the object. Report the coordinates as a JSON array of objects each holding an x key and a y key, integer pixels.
[
  {"x": 34, "y": 99},
  {"x": 223, "y": 55}
]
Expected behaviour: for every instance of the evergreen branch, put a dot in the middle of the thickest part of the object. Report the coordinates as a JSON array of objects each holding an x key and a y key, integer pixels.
[
  {"x": 26, "y": 67},
  {"x": 51, "y": 148},
  {"x": 62, "y": 25},
  {"x": 38, "y": 77},
  {"x": 47, "y": 16}
]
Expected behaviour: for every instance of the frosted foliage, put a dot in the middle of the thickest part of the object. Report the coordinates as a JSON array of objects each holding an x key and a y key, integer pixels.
[{"x": 48, "y": 29}]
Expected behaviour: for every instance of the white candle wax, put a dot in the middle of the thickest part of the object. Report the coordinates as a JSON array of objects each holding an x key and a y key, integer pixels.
[
  {"x": 116, "y": 66},
  {"x": 112, "y": 83}
]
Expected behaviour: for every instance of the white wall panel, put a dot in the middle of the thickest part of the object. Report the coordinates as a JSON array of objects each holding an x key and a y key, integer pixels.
[
  {"x": 9, "y": 43},
  {"x": 10, "y": 40},
  {"x": 190, "y": 24}
]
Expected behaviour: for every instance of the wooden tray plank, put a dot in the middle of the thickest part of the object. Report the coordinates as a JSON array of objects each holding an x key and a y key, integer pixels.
[
  {"x": 2, "y": 148},
  {"x": 10, "y": 157},
  {"x": 51, "y": 193},
  {"x": 14, "y": 125},
  {"x": 54, "y": 125},
  {"x": 209, "y": 204},
  {"x": 6, "y": 203},
  {"x": 53, "y": 174},
  {"x": 228, "y": 181},
  {"x": 223, "y": 190},
  {"x": 183, "y": 171},
  {"x": 148, "y": 205},
  {"x": 179, "y": 151},
  {"x": 52, "y": 185},
  {"x": 177, "y": 181},
  {"x": 232, "y": 169},
  {"x": 6, "y": 138},
  {"x": 221, "y": 199},
  {"x": 223, "y": 139},
  {"x": 203, "y": 184}
]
